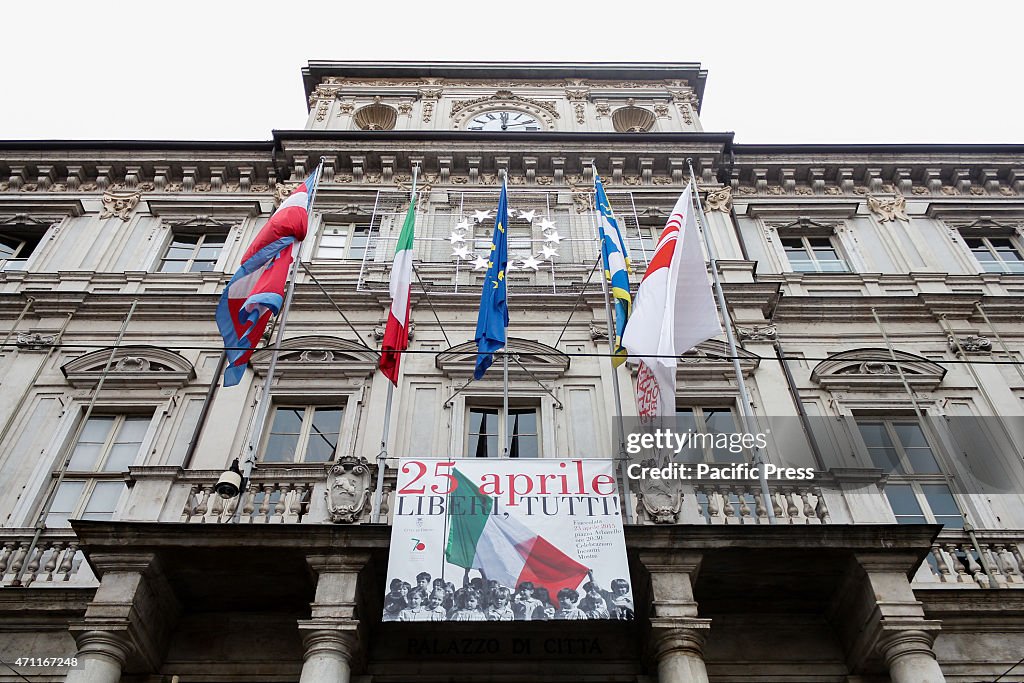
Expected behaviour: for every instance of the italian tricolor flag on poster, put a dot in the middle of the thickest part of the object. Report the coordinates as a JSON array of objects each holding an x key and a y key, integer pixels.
[
  {"x": 396, "y": 334},
  {"x": 510, "y": 539},
  {"x": 506, "y": 550}
]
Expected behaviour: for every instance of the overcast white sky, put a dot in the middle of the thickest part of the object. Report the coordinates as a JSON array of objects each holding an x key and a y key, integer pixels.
[{"x": 786, "y": 72}]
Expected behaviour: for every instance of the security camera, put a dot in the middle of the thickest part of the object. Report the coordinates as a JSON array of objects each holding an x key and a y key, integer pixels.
[{"x": 230, "y": 481}]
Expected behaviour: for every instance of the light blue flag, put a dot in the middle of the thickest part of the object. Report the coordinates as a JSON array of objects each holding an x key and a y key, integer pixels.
[{"x": 616, "y": 267}]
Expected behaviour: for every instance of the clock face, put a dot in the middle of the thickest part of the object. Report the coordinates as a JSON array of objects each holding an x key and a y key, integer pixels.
[{"x": 504, "y": 120}]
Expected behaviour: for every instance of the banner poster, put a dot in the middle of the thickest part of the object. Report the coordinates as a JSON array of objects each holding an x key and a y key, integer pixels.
[{"x": 507, "y": 540}]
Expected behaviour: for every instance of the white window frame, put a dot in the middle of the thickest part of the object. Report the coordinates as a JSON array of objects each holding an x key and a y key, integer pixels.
[
  {"x": 16, "y": 261},
  {"x": 809, "y": 252},
  {"x": 305, "y": 430},
  {"x": 641, "y": 240},
  {"x": 91, "y": 478},
  {"x": 908, "y": 477},
  {"x": 700, "y": 421},
  {"x": 1004, "y": 266},
  {"x": 503, "y": 435},
  {"x": 193, "y": 258},
  {"x": 347, "y": 230}
]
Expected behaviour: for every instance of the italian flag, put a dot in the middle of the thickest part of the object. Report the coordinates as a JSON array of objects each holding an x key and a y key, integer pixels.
[
  {"x": 396, "y": 334},
  {"x": 502, "y": 548}
]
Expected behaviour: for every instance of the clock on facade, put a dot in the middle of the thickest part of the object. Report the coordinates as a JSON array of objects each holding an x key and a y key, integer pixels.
[{"x": 504, "y": 119}]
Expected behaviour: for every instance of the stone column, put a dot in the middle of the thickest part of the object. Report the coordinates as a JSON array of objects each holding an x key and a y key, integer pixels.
[
  {"x": 880, "y": 619},
  {"x": 680, "y": 653},
  {"x": 101, "y": 657},
  {"x": 909, "y": 656},
  {"x": 328, "y": 655},
  {"x": 677, "y": 633},
  {"x": 331, "y": 635},
  {"x": 126, "y": 626}
]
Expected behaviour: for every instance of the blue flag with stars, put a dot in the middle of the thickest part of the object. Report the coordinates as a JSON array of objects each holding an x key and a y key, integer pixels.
[{"x": 492, "y": 319}]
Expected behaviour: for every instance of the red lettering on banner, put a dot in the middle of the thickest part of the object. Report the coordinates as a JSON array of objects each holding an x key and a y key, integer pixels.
[{"x": 647, "y": 393}]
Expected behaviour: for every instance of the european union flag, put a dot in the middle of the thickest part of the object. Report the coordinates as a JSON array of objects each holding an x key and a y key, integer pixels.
[{"x": 492, "y": 319}]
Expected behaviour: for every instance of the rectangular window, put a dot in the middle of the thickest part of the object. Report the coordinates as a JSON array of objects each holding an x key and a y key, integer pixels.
[
  {"x": 996, "y": 254},
  {"x": 94, "y": 481},
  {"x": 15, "y": 248},
  {"x": 192, "y": 253},
  {"x": 813, "y": 255},
  {"x": 710, "y": 428},
  {"x": 345, "y": 242},
  {"x": 303, "y": 434},
  {"x": 917, "y": 489},
  {"x": 640, "y": 242},
  {"x": 487, "y": 438}
]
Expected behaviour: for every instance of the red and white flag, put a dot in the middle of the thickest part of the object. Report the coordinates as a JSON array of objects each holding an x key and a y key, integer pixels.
[{"x": 673, "y": 311}]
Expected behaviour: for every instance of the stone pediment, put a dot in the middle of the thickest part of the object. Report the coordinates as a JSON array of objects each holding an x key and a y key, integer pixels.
[
  {"x": 712, "y": 360},
  {"x": 874, "y": 369},
  {"x": 135, "y": 367},
  {"x": 543, "y": 361},
  {"x": 317, "y": 357}
]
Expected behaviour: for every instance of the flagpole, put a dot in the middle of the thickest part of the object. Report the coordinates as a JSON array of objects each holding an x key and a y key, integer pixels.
[
  {"x": 382, "y": 457},
  {"x": 746, "y": 406},
  {"x": 507, "y": 445},
  {"x": 623, "y": 464},
  {"x": 264, "y": 402}
]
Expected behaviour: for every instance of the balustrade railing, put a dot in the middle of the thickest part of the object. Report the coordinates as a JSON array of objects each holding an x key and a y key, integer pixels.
[
  {"x": 264, "y": 502},
  {"x": 996, "y": 562},
  {"x": 55, "y": 560},
  {"x": 744, "y": 504}
]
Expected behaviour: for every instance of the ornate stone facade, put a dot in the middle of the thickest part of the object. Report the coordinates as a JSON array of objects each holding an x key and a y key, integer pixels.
[{"x": 868, "y": 286}]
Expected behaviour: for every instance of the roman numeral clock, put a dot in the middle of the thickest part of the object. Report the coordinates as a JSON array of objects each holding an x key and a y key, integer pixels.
[{"x": 504, "y": 120}]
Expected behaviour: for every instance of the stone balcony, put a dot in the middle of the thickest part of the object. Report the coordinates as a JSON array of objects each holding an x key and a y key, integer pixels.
[{"x": 289, "y": 495}]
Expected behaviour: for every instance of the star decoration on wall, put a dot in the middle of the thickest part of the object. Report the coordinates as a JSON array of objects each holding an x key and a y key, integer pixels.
[
  {"x": 466, "y": 245},
  {"x": 530, "y": 262}
]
